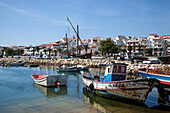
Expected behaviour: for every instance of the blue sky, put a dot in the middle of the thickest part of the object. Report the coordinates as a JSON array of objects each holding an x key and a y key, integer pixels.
[{"x": 34, "y": 22}]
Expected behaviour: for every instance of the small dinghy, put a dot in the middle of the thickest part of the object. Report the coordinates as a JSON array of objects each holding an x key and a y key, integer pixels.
[
  {"x": 81, "y": 67},
  {"x": 50, "y": 80},
  {"x": 34, "y": 65}
]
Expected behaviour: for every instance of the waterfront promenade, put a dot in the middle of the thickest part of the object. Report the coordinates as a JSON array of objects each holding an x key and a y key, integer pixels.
[
  {"x": 94, "y": 62},
  {"x": 132, "y": 68}
]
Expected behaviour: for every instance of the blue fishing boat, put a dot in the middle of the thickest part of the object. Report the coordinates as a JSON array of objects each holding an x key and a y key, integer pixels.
[
  {"x": 115, "y": 84},
  {"x": 162, "y": 75}
]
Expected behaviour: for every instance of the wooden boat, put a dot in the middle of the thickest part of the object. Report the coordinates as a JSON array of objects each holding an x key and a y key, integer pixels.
[
  {"x": 50, "y": 80},
  {"x": 114, "y": 84},
  {"x": 162, "y": 75}
]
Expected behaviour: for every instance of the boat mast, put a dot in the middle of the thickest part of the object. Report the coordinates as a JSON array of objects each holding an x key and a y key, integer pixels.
[
  {"x": 67, "y": 43},
  {"x": 75, "y": 32},
  {"x": 77, "y": 40}
]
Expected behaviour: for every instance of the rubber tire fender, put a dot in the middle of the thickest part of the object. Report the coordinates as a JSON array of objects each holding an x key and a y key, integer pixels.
[{"x": 91, "y": 87}]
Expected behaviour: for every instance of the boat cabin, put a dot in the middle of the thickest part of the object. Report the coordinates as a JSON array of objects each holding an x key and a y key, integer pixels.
[{"x": 114, "y": 72}]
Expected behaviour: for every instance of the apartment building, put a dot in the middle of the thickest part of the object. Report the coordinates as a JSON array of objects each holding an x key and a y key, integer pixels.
[
  {"x": 156, "y": 43},
  {"x": 137, "y": 46},
  {"x": 167, "y": 43}
]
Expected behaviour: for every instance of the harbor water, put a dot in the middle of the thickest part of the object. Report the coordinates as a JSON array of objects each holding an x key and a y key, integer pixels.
[{"x": 19, "y": 94}]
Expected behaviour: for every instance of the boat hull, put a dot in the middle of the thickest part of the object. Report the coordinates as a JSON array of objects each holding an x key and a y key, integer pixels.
[
  {"x": 164, "y": 79},
  {"x": 15, "y": 64},
  {"x": 68, "y": 70},
  {"x": 51, "y": 80},
  {"x": 136, "y": 90},
  {"x": 34, "y": 65}
]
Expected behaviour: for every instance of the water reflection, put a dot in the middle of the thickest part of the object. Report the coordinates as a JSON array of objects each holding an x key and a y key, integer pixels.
[
  {"x": 106, "y": 105},
  {"x": 51, "y": 92},
  {"x": 29, "y": 97}
]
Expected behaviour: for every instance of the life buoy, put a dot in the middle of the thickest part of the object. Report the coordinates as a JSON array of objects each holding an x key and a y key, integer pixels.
[{"x": 91, "y": 87}]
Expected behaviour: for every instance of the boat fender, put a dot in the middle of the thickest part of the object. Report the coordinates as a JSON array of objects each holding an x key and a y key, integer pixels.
[
  {"x": 91, "y": 86},
  {"x": 84, "y": 89},
  {"x": 57, "y": 82}
]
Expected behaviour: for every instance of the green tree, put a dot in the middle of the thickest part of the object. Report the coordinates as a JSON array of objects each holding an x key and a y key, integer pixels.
[
  {"x": 96, "y": 52},
  {"x": 107, "y": 46},
  {"x": 19, "y": 51},
  {"x": 9, "y": 51}
]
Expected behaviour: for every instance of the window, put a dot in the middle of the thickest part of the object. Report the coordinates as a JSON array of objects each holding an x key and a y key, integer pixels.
[
  {"x": 119, "y": 69},
  {"x": 124, "y": 69},
  {"x": 114, "y": 69}
]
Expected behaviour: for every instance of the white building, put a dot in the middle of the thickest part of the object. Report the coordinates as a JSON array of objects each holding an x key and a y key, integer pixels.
[
  {"x": 156, "y": 43},
  {"x": 167, "y": 41},
  {"x": 119, "y": 40}
]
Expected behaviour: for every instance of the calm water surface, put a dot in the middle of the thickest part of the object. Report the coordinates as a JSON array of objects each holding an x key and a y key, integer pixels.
[{"x": 19, "y": 94}]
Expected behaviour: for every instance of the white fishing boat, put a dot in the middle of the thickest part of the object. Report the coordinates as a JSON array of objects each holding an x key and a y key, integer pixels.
[
  {"x": 50, "y": 80},
  {"x": 114, "y": 83},
  {"x": 81, "y": 67},
  {"x": 68, "y": 69}
]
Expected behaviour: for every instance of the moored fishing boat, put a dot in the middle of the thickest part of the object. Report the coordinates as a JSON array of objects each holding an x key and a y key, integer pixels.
[
  {"x": 17, "y": 63},
  {"x": 33, "y": 65},
  {"x": 114, "y": 84},
  {"x": 163, "y": 75},
  {"x": 81, "y": 67},
  {"x": 68, "y": 69},
  {"x": 50, "y": 80}
]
